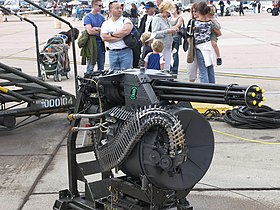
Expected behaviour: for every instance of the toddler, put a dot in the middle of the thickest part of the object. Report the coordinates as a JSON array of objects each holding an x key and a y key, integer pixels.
[
  {"x": 155, "y": 59},
  {"x": 214, "y": 39}
]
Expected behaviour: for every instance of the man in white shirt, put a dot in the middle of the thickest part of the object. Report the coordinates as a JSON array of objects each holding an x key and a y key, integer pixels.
[{"x": 113, "y": 31}]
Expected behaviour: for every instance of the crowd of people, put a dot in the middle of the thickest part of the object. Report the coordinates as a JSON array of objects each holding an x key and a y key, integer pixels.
[{"x": 160, "y": 27}]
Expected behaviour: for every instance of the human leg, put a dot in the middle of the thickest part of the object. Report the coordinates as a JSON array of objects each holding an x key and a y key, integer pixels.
[
  {"x": 167, "y": 57},
  {"x": 175, "y": 56},
  {"x": 90, "y": 67},
  {"x": 114, "y": 61},
  {"x": 217, "y": 51},
  {"x": 211, "y": 74},
  {"x": 125, "y": 59},
  {"x": 192, "y": 71},
  {"x": 203, "y": 72},
  {"x": 133, "y": 20},
  {"x": 100, "y": 56},
  {"x": 216, "y": 48}
]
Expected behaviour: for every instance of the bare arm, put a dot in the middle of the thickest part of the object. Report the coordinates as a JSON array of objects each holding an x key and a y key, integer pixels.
[
  {"x": 118, "y": 35},
  {"x": 217, "y": 27},
  {"x": 92, "y": 30},
  {"x": 107, "y": 37},
  {"x": 127, "y": 27},
  {"x": 216, "y": 23},
  {"x": 218, "y": 32},
  {"x": 179, "y": 22}
]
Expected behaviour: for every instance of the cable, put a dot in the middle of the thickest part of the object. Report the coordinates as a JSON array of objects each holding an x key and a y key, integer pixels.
[
  {"x": 213, "y": 114},
  {"x": 245, "y": 117}
]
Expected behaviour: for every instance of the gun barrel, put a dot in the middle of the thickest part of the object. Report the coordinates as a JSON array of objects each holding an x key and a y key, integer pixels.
[{"x": 232, "y": 94}]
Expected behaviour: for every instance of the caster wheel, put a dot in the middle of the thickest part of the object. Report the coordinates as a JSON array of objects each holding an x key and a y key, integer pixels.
[
  {"x": 68, "y": 75},
  {"x": 59, "y": 78},
  {"x": 43, "y": 77}
]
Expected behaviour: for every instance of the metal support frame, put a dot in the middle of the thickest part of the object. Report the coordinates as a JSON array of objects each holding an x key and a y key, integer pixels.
[
  {"x": 36, "y": 35},
  {"x": 72, "y": 199},
  {"x": 22, "y": 95}
]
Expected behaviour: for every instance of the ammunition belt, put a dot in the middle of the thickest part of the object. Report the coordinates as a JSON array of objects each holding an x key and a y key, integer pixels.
[{"x": 114, "y": 152}]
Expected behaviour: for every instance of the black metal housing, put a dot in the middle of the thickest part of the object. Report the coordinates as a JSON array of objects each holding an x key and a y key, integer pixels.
[{"x": 135, "y": 108}]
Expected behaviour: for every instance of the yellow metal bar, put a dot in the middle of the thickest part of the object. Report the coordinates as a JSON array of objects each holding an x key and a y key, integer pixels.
[{"x": 203, "y": 107}]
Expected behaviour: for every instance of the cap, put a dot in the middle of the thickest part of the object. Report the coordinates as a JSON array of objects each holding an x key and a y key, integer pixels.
[
  {"x": 149, "y": 4},
  {"x": 153, "y": 35}
]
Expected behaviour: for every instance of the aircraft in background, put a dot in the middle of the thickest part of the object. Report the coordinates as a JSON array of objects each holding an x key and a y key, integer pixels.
[
  {"x": 12, "y": 5},
  {"x": 17, "y": 7}
]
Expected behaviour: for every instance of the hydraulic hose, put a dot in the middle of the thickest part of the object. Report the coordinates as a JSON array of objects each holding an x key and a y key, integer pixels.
[{"x": 261, "y": 118}]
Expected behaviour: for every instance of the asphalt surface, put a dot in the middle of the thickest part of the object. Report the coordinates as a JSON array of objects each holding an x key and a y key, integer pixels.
[{"x": 244, "y": 173}]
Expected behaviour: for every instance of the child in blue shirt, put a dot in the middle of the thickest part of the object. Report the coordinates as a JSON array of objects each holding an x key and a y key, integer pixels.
[{"x": 155, "y": 59}]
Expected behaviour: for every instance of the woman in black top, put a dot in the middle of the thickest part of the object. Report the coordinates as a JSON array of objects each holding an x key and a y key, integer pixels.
[{"x": 133, "y": 14}]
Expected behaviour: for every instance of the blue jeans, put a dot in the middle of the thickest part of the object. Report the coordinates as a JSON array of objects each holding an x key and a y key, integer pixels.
[
  {"x": 176, "y": 45},
  {"x": 121, "y": 60},
  {"x": 133, "y": 20},
  {"x": 206, "y": 74},
  {"x": 100, "y": 59}
]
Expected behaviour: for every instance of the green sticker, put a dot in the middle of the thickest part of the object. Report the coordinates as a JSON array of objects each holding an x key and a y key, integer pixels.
[{"x": 133, "y": 93}]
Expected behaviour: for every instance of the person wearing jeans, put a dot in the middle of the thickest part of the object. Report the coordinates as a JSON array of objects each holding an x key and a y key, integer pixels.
[
  {"x": 100, "y": 58},
  {"x": 175, "y": 54},
  {"x": 120, "y": 59},
  {"x": 205, "y": 54},
  {"x": 176, "y": 20},
  {"x": 206, "y": 73},
  {"x": 113, "y": 31},
  {"x": 93, "y": 22}
]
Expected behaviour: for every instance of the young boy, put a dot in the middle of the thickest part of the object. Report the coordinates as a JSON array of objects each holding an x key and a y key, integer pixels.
[
  {"x": 214, "y": 39},
  {"x": 155, "y": 59}
]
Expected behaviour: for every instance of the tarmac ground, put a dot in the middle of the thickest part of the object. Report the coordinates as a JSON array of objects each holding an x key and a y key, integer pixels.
[{"x": 244, "y": 173}]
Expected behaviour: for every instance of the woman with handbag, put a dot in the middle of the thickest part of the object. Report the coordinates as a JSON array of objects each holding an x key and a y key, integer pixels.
[
  {"x": 191, "y": 58},
  {"x": 205, "y": 54}
]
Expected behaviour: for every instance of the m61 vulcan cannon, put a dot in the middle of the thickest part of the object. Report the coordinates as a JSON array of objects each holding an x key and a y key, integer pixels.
[{"x": 142, "y": 124}]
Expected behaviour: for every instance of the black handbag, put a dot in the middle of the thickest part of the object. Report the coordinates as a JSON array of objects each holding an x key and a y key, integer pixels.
[
  {"x": 187, "y": 32},
  {"x": 185, "y": 43}
]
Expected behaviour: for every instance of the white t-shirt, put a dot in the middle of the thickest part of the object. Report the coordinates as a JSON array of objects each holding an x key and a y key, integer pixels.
[
  {"x": 148, "y": 22},
  {"x": 110, "y": 26}
]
